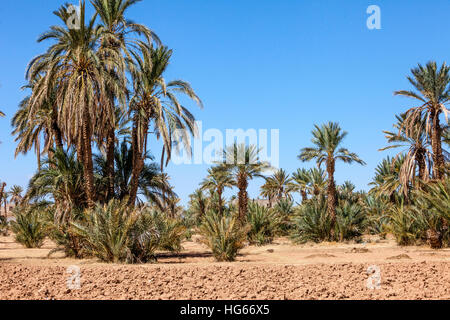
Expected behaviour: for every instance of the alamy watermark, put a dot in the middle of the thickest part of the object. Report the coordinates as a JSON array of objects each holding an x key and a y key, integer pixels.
[
  {"x": 74, "y": 19},
  {"x": 74, "y": 278},
  {"x": 208, "y": 146},
  {"x": 374, "y": 280},
  {"x": 374, "y": 20}
]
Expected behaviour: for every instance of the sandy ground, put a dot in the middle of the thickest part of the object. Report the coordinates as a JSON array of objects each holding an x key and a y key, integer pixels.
[{"x": 277, "y": 271}]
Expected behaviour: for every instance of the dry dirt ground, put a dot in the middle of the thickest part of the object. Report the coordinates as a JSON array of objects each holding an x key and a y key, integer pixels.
[{"x": 277, "y": 271}]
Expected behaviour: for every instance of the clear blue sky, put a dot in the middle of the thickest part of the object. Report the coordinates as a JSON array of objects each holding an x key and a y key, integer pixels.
[{"x": 261, "y": 64}]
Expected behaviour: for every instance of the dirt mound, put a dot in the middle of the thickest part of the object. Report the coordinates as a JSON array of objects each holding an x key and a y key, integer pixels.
[
  {"x": 320, "y": 255},
  {"x": 223, "y": 281},
  {"x": 400, "y": 256},
  {"x": 359, "y": 250}
]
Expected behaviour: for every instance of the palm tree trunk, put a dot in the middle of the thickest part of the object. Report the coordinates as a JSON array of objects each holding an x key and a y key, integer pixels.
[
  {"x": 420, "y": 158},
  {"x": 88, "y": 167},
  {"x": 243, "y": 198},
  {"x": 436, "y": 145},
  {"x": 1, "y": 195},
  {"x": 219, "y": 194},
  {"x": 110, "y": 146},
  {"x": 138, "y": 160},
  {"x": 304, "y": 195},
  {"x": 331, "y": 191}
]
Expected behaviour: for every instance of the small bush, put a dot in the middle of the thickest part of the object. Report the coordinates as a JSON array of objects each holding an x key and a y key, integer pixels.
[
  {"x": 312, "y": 223},
  {"x": 350, "y": 221},
  {"x": 285, "y": 210},
  {"x": 29, "y": 226},
  {"x": 105, "y": 231},
  {"x": 402, "y": 225},
  {"x": 264, "y": 224},
  {"x": 224, "y": 235}
]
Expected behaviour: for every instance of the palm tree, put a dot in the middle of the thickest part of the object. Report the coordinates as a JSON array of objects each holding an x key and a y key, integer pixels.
[
  {"x": 312, "y": 181},
  {"x": 278, "y": 185},
  {"x": 244, "y": 164},
  {"x": 433, "y": 92},
  {"x": 155, "y": 102},
  {"x": 413, "y": 138},
  {"x": 3, "y": 194},
  {"x": 60, "y": 177},
  {"x": 386, "y": 182},
  {"x": 16, "y": 194},
  {"x": 152, "y": 183},
  {"x": 115, "y": 43},
  {"x": 218, "y": 180},
  {"x": 31, "y": 128},
  {"x": 327, "y": 140},
  {"x": 75, "y": 71},
  {"x": 198, "y": 204}
]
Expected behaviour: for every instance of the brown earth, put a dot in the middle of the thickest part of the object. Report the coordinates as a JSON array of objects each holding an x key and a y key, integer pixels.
[{"x": 278, "y": 271}]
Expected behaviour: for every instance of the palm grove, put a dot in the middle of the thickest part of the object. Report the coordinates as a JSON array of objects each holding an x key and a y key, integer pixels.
[{"x": 98, "y": 94}]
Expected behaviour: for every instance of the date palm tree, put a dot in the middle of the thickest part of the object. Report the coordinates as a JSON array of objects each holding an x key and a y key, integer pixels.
[
  {"x": 16, "y": 194},
  {"x": 327, "y": 139},
  {"x": 244, "y": 164},
  {"x": 115, "y": 42},
  {"x": 279, "y": 185},
  {"x": 386, "y": 182},
  {"x": 309, "y": 182},
  {"x": 155, "y": 103},
  {"x": 30, "y": 129},
  {"x": 73, "y": 68},
  {"x": 414, "y": 139},
  {"x": 433, "y": 93},
  {"x": 218, "y": 180}
]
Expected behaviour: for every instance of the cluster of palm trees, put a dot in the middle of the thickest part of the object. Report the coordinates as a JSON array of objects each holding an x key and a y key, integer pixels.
[
  {"x": 97, "y": 94},
  {"x": 241, "y": 164},
  {"x": 14, "y": 196},
  {"x": 420, "y": 135}
]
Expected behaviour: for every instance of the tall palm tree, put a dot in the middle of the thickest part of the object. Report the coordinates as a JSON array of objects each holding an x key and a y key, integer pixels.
[
  {"x": 309, "y": 182},
  {"x": 155, "y": 103},
  {"x": 244, "y": 164},
  {"x": 16, "y": 194},
  {"x": 386, "y": 182},
  {"x": 73, "y": 65},
  {"x": 115, "y": 42},
  {"x": 198, "y": 204},
  {"x": 30, "y": 129},
  {"x": 279, "y": 185},
  {"x": 433, "y": 93},
  {"x": 218, "y": 180},
  {"x": 415, "y": 140},
  {"x": 326, "y": 140}
]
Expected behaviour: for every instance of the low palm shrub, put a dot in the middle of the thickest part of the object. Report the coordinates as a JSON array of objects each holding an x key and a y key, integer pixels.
[
  {"x": 223, "y": 234},
  {"x": 264, "y": 224},
  {"x": 403, "y": 225},
  {"x": 285, "y": 210},
  {"x": 105, "y": 231},
  {"x": 29, "y": 226},
  {"x": 350, "y": 221},
  {"x": 312, "y": 223}
]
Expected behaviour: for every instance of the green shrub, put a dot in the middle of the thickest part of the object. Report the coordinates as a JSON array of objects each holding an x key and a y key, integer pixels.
[
  {"x": 3, "y": 226},
  {"x": 285, "y": 210},
  {"x": 105, "y": 231},
  {"x": 264, "y": 224},
  {"x": 29, "y": 226},
  {"x": 402, "y": 225},
  {"x": 312, "y": 223},
  {"x": 350, "y": 221},
  {"x": 224, "y": 235}
]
